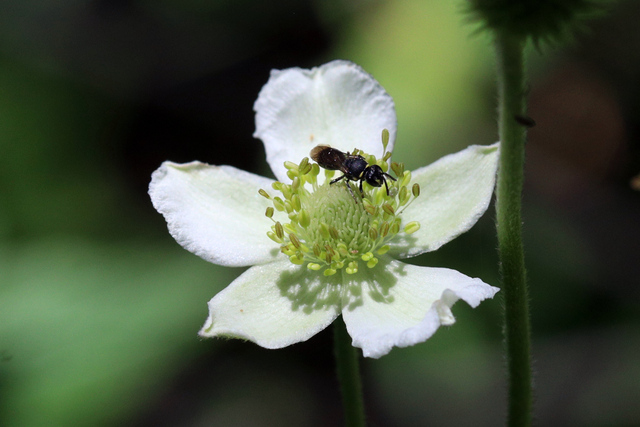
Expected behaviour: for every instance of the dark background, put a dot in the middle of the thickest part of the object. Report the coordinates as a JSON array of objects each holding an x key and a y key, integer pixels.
[{"x": 99, "y": 307}]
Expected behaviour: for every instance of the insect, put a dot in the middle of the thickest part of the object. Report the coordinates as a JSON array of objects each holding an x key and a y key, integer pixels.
[{"x": 354, "y": 167}]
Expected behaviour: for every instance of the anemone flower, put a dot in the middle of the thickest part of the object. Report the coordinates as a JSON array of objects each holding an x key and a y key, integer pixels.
[{"x": 318, "y": 246}]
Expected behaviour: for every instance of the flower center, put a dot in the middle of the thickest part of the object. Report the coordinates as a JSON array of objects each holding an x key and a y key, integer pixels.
[{"x": 332, "y": 226}]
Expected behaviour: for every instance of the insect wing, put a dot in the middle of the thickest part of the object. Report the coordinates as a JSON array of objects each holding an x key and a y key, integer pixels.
[{"x": 328, "y": 158}]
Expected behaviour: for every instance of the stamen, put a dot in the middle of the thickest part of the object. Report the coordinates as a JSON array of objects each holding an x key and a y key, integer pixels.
[
  {"x": 415, "y": 189},
  {"x": 264, "y": 193},
  {"x": 329, "y": 229},
  {"x": 269, "y": 213},
  {"x": 385, "y": 139},
  {"x": 412, "y": 227}
]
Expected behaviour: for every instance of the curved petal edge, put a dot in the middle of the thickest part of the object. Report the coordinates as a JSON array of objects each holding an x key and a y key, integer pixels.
[
  {"x": 455, "y": 192},
  {"x": 215, "y": 212},
  {"x": 410, "y": 308},
  {"x": 336, "y": 104},
  {"x": 267, "y": 305}
]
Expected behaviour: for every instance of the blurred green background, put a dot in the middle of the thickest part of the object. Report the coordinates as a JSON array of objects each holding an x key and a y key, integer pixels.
[{"x": 99, "y": 307}]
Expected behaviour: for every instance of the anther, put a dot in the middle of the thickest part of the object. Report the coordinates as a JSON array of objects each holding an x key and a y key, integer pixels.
[
  {"x": 387, "y": 208},
  {"x": 385, "y": 139},
  {"x": 264, "y": 193},
  {"x": 294, "y": 240},
  {"x": 279, "y": 230},
  {"x": 412, "y": 227}
]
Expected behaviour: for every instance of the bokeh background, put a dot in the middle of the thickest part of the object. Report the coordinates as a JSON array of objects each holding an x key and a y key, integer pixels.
[{"x": 99, "y": 307}]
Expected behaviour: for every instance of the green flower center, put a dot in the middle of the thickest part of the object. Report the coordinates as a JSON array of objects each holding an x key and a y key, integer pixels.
[{"x": 331, "y": 227}]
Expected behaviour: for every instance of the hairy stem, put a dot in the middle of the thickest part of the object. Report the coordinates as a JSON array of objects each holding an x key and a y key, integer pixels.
[
  {"x": 347, "y": 366},
  {"x": 512, "y": 121}
]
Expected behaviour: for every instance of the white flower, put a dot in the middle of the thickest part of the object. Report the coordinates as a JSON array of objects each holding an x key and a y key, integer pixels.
[{"x": 321, "y": 250}]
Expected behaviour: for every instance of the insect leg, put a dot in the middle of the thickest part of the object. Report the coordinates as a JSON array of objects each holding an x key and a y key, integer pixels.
[{"x": 337, "y": 179}]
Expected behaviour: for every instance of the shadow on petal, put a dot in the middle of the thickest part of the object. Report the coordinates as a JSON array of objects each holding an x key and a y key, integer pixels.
[
  {"x": 402, "y": 243},
  {"x": 377, "y": 282},
  {"x": 310, "y": 290}
]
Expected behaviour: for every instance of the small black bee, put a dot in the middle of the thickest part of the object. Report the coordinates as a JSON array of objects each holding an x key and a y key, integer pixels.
[{"x": 354, "y": 167}]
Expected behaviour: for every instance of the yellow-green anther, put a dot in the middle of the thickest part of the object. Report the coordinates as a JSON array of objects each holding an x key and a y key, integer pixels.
[
  {"x": 388, "y": 209},
  {"x": 279, "y": 230},
  {"x": 383, "y": 249},
  {"x": 373, "y": 233},
  {"x": 288, "y": 206},
  {"x": 289, "y": 228},
  {"x": 406, "y": 178},
  {"x": 372, "y": 262},
  {"x": 276, "y": 185},
  {"x": 295, "y": 259},
  {"x": 264, "y": 194},
  {"x": 295, "y": 202},
  {"x": 303, "y": 164},
  {"x": 328, "y": 258},
  {"x": 352, "y": 268},
  {"x": 371, "y": 209},
  {"x": 403, "y": 195},
  {"x": 269, "y": 212},
  {"x": 385, "y": 139},
  {"x": 397, "y": 168},
  {"x": 290, "y": 165},
  {"x": 395, "y": 228},
  {"x": 329, "y": 272},
  {"x": 367, "y": 256},
  {"x": 292, "y": 174},
  {"x": 286, "y": 191},
  {"x": 386, "y": 158},
  {"x": 294, "y": 240},
  {"x": 273, "y": 237},
  {"x": 295, "y": 184},
  {"x": 412, "y": 227},
  {"x": 304, "y": 248},
  {"x": 303, "y": 218},
  {"x": 314, "y": 266},
  {"x": 278, "y": 203},
  {"x": 415, "y": 189},
  {"x": 315, "y": 170},
  {"x": 384, "y": 229}
]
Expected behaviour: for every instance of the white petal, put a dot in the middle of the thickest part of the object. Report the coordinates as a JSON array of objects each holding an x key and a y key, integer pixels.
[
  {"x": 337, "y": 104},
  {"x": 273, "y": 305},
  {"x": 404, "y": 304},
  {"x": 454, "y": 193},
  {"x": 215, "y": 212}
]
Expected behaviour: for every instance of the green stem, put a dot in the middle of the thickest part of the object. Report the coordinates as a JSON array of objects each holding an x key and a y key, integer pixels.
[
  {"x": 512, "y": 105},
  {"x": 347, "y": 366}
]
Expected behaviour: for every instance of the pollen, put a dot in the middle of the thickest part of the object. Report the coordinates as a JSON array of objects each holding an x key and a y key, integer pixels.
[{"x": 333, "y": 228}]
